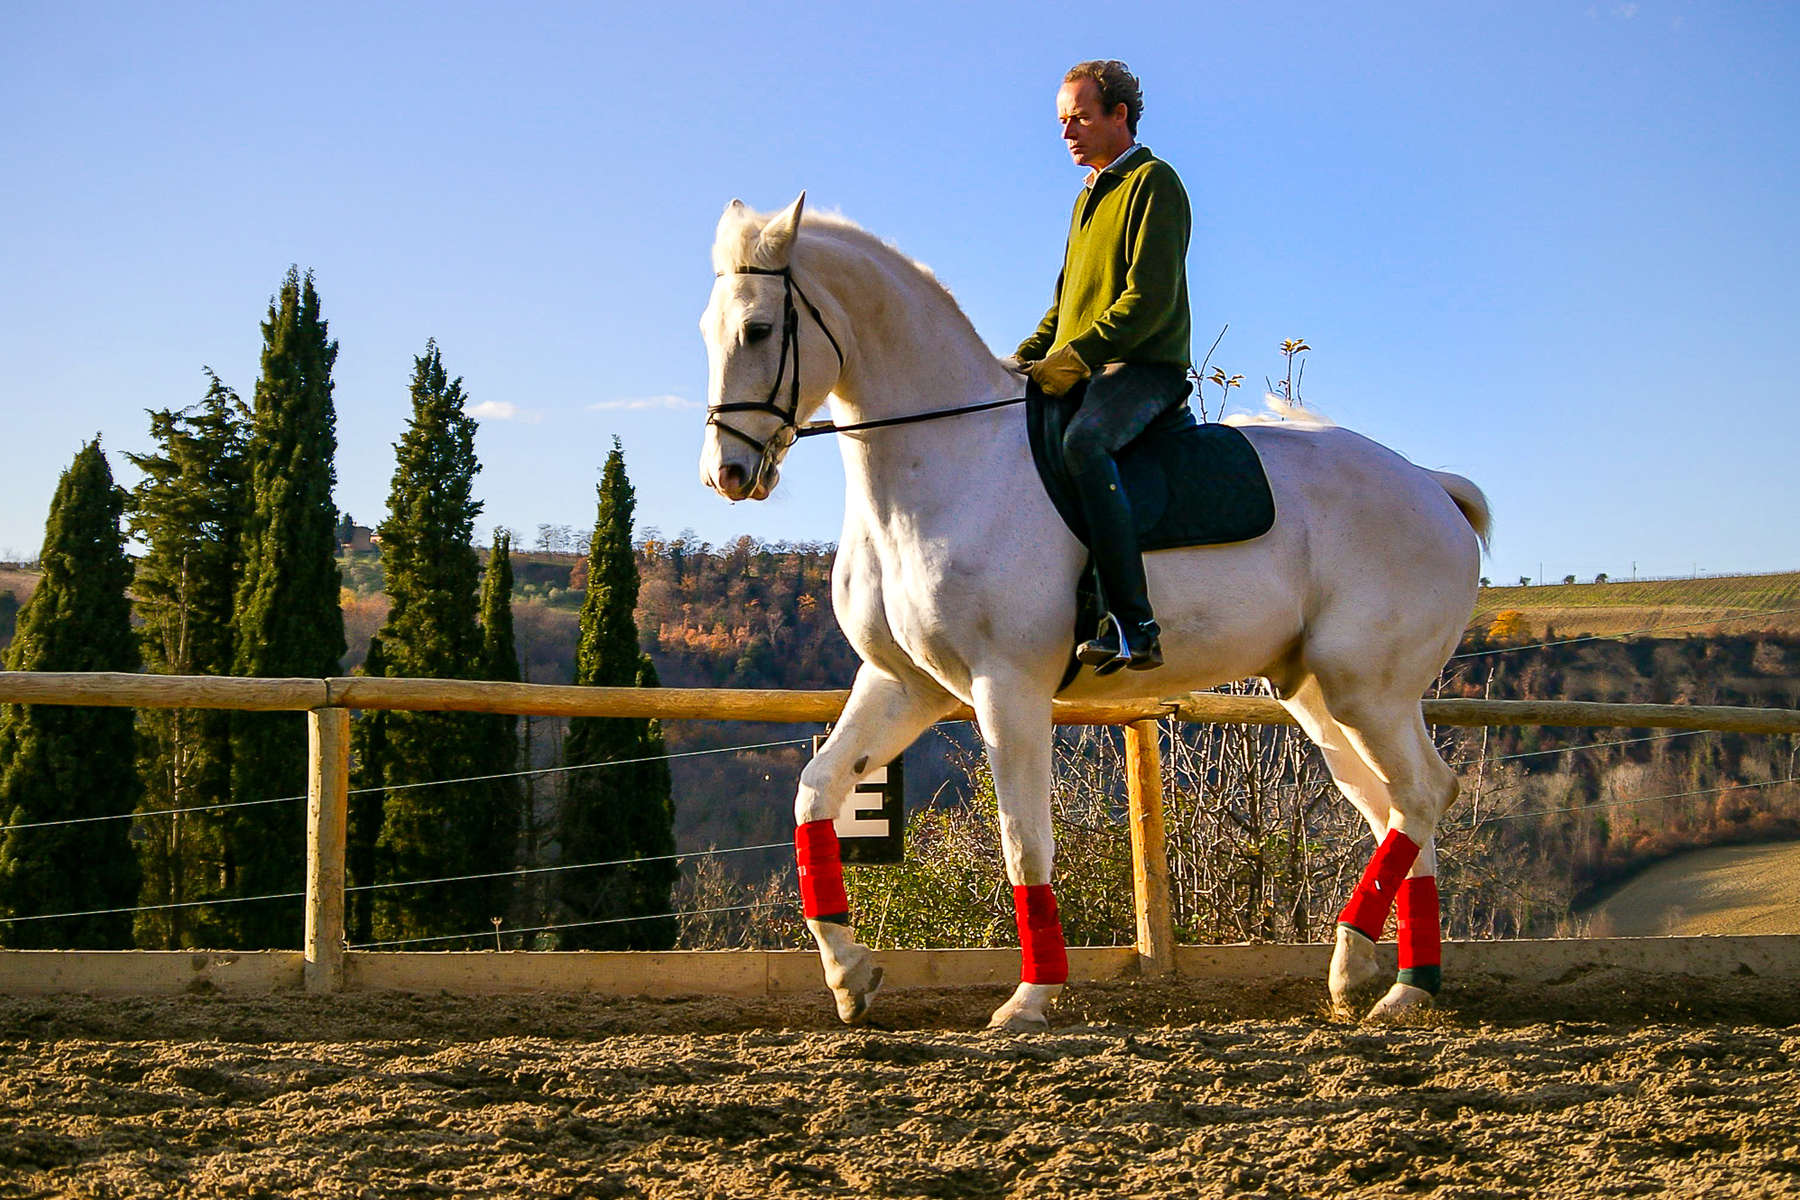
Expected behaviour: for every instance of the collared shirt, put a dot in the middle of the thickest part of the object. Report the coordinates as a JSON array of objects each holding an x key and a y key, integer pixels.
[{"x": 1113, "y": 165}]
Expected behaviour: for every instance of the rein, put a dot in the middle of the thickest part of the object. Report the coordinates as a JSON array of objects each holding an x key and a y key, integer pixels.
[
  {"x": 827, "y": 427},
  {"x": 770, "y": 451}
]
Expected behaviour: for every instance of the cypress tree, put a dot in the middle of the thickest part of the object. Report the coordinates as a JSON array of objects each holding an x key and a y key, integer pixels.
[
  {"x": 368, "y": 773},
  {"x": 59, "y": 763},
  {"x": 625, "y": 811},
  {"x": 188, "y": 511},
  {"x": 287, "y": 619},
  {"x": 432, "y": 575},
  {"x": 498, "y": 737}
]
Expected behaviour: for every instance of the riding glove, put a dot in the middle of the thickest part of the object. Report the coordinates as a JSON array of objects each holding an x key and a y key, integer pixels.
[{"x": 1058, "y": 373}]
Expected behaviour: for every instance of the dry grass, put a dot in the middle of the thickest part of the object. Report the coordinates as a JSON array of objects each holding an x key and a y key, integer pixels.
[
  {"x": 1722, "y": 890},
  {"x": 1724, "y": 604}
]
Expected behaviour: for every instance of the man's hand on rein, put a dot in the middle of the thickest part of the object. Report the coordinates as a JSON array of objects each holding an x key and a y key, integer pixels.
[{"x": 1058, "y": 373}]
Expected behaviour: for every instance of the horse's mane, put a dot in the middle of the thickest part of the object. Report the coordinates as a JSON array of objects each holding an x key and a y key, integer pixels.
[{"x": 829, "y": 235}]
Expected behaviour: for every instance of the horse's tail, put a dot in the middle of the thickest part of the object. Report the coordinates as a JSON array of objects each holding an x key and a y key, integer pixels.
[{"x": 1469, "y": 499}]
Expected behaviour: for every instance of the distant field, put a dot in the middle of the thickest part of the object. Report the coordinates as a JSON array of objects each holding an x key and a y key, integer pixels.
[
  {"x": 1724, "y": 890},
  {"x": 19, "y": 581},
  {"x": 1723, "y": 604}
]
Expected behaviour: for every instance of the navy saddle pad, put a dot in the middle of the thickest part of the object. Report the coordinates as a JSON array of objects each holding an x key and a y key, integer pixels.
[{"x": 1190, "y": 484}]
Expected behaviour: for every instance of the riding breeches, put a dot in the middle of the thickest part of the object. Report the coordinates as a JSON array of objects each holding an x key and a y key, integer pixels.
[{"x": 1117, "y": 405}]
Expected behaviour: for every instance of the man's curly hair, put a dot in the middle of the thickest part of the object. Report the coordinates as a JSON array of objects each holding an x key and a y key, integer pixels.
[{"x": 1117, "y": 86}]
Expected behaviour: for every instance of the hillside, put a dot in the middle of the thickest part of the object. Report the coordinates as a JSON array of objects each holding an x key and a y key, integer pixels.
[
  {"x": 1710, "y": 604},
  {"x": 1722, "y": 890},
  {"x": 749, "y": 575},
  {"x": 749, "y": 614},
  {"x": 16, "y": 586}
]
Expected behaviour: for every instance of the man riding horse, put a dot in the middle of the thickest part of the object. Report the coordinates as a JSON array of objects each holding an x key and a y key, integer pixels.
[{"x": 1116, "y": 335}]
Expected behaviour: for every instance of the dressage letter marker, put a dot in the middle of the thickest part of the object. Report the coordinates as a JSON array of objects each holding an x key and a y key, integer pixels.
[{"x": 872, "y": 828}]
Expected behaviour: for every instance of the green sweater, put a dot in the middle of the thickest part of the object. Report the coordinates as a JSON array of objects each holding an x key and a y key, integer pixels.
[{"x": 1122, "y": 295}]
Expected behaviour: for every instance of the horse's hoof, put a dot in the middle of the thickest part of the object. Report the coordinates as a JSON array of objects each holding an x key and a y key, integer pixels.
[
  {"x": 1403, "y": 999},
  {"x": 1018, "y": 1022},
  {"x": 1023, "y": 1011},
  {"x": 1353, "y": 969},
  {"x": 853, "y": 1006}
]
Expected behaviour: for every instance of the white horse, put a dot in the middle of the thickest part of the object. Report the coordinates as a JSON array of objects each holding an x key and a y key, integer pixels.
[{"x": 955, "y": 582}]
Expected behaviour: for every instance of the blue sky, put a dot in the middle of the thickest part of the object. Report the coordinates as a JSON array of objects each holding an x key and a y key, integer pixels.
[{"x": 1546, "y": 245}]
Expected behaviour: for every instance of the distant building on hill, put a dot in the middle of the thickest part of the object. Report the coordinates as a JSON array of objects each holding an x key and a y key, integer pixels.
[{"x": 353, "y": 538}]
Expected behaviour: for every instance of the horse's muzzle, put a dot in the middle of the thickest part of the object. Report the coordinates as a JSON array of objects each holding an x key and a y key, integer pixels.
[{"x": 733, "y": 482}]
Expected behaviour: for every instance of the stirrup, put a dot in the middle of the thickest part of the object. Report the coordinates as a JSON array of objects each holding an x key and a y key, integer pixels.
[
  {"x": 1106, "y": 650},
  {"x": 1111, "y": 650}
]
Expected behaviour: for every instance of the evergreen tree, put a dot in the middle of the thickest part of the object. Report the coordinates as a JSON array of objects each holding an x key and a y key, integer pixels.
[
  {"x": 499, "y": 649},
  {"x": 616, "y": 812},
  {"x": 286, "y": 619},
  {"x": 189, "y": 513},
  {"x": 499, "y": 733},
  {"x": 368, "y": 775},
  {"x": 59, "y": 763},
  {"x": 432, "y": 576}
]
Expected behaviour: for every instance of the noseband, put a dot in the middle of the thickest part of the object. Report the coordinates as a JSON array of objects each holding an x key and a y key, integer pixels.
[{"x": 769, "y": 452}]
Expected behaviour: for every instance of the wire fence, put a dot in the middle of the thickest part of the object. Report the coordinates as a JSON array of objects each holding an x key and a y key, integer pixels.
[
  {"x": 1633, "y": 802},
  {"x": 401, "y": 787},
  {"x": 497, "y": 931},
  {"x": 527, "y": 872},
  {"x": 517, "y": 872}
]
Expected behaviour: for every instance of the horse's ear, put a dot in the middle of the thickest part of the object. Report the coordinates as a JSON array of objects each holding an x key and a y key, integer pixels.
[
  {"x": 732, "y": 217},
  {"x": 776, "y": 245}
]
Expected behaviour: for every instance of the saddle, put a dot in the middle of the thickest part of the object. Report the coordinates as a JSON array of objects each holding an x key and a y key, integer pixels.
[{"x": 1190, "y": 484}]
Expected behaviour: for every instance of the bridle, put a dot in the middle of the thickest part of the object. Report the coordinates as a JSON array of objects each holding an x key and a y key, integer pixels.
[{"x": 770, "y": 451}]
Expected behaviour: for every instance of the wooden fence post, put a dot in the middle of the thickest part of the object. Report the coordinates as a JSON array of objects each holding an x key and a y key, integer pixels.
[
  {"x": 1149, "y": 859},
  {"x": 327, "y": 810}
]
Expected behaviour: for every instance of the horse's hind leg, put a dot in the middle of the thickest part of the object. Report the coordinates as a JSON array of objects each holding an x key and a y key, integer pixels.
[
  {"x": 1391, "y": 737},
  {"x": 1354, "y": 969},
  {"x": 1386, "y": 765},
  {"x": 1419, "y": 935},
  {"x": 881, "y": 718}
]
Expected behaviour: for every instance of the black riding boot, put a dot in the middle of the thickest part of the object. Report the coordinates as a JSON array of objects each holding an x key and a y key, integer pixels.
[{"x": 1128, "y": 634}]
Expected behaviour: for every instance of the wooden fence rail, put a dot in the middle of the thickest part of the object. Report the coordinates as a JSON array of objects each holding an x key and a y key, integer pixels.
[
  {"x": 326, "y": 966},
  {"x": 111, "y": 689}
]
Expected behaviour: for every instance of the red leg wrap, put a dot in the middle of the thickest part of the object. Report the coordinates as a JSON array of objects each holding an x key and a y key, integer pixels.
[
  {"x": 1045, "y": 958},
  {"x": 1373, "y": 899},
  {"x": 821, "y": 873},
  {"x": 1417, "y": 909},
  {"x": 1421, "y": 945}
]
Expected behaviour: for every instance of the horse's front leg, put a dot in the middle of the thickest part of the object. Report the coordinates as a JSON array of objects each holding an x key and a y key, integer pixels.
[
  {"x": 1015, "y": 726},
  {"x": 883, "y": 716}
]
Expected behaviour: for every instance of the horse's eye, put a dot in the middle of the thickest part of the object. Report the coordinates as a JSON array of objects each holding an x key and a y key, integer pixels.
[{"x": 756, "y": 331}]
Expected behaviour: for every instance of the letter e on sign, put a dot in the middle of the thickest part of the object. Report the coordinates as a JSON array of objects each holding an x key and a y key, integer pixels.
[{"x": 871, "y": 828}]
